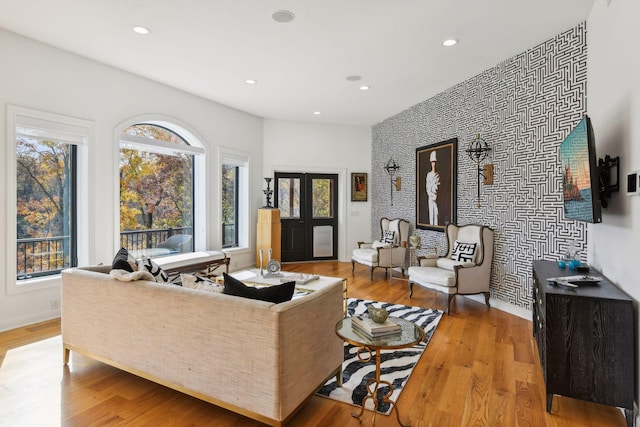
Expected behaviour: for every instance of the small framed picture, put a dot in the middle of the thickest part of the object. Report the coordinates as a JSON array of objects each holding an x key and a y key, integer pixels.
[{"x": 359, "y": 187}]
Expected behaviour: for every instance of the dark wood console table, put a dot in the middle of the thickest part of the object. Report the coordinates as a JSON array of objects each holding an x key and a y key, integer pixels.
[{"x": 585, "y": 339}]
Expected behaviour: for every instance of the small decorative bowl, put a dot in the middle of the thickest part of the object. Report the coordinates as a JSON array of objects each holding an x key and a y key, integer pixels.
[{"x": 378, "y": 315}]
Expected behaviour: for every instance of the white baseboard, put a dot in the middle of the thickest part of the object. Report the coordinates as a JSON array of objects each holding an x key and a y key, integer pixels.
[
  {"x": 19, "y": 322},
  {"x": 504, "y": 306}
]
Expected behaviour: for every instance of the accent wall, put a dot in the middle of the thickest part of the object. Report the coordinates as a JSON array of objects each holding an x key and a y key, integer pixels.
[{"x": 523, "y": 108}]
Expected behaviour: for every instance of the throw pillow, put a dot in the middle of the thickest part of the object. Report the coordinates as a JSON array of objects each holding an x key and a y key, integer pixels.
[
  {"x": 200, "y": 283},
  {"x": 387, "y": 236},
  {"x": 275, "y": 294},
  {"x": 125, "y": 276},
  {"x": 124, "y": 261},
  {"x": 158, "y": 273},
  {"x": 465, "y": 252}
]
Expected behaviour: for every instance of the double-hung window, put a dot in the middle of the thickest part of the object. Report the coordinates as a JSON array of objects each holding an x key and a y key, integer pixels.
[{"x": 46, "y": 162}]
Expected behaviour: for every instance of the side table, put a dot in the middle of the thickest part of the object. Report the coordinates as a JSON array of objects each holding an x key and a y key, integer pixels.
[{"x": 410, "y": 335}]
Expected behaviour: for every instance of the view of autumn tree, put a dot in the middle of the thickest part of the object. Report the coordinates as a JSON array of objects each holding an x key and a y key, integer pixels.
[
  {"x": 229, "y": 203},
  {"x": 43, "y": 208},
  {"x": 43, "y": 188},
  {"x": 156, "y": 190}
]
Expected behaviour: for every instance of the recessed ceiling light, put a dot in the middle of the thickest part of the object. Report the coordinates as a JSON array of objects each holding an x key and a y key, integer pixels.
[
  {"x": 450, "y": 42},
  {"x": 251, "y": 81},
  {"x": 317, "y": 113},
  {"x": 141, "y": 30},
  {"x": 283, "y": 16},
  {"x": 365, "y": 87},
  {"x": 354, "y": 78}
]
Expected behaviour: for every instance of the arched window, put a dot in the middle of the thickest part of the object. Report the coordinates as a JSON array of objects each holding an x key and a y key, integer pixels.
[{"x": 157, "y": 181}]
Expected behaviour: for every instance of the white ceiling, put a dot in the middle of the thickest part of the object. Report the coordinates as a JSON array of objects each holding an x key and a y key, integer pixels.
[{"x": 210, "y": 47}]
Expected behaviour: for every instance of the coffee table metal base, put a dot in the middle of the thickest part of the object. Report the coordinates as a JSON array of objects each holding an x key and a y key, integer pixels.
[
  {"x": 372, "y": 394},
  {"x": 372, "y": 386}
]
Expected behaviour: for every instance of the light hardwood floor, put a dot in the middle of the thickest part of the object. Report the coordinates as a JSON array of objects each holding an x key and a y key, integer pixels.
[{"x": 479, "y": 369}]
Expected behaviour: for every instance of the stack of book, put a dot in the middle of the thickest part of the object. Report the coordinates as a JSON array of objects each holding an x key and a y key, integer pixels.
[{"x": 364, "y": 324}]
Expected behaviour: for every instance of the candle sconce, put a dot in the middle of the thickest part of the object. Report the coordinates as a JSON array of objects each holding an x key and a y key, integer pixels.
[
  {"x": 478, "y": 151},
  {"x": 391, "y": 167}
]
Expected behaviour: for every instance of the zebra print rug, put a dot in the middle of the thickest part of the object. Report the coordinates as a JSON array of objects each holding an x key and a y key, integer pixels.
[{"x": 396, "y": 365}]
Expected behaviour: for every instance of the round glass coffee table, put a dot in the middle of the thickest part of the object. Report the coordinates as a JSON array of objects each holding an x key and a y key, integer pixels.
[{"x": 410, "y": 335}]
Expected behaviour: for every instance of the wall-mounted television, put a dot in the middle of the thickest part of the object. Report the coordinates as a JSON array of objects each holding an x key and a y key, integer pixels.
[{"x": 580, "y": 175}]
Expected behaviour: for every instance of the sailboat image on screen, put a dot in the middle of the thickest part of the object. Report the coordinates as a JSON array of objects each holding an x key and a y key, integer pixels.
[{"x": 580, "y": 179}]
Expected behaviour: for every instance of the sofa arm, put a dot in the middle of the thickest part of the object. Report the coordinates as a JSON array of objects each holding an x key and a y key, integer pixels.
[{"x": 365, "y": 245}]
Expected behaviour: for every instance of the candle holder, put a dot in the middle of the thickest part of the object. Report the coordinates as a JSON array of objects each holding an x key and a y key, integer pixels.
[{"x": 268, "y": 193}]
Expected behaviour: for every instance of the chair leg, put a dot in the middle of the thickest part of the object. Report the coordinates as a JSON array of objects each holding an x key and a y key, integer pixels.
[
  {"x": 353, "y": 266},
  {"x": 486, "y": 298},
  {"x": 371, "y": 273},
  {"x": 449, "y": 298},
  {"x": 410, "y": 289}
]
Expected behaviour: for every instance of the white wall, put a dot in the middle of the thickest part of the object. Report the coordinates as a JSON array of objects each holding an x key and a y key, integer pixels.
[
  {"x": 613, "y": 91},
  {"x": 41, "y": 77},
  {"x": 308, "y": 147}
]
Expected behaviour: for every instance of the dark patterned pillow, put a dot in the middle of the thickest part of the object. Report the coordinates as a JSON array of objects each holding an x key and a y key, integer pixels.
[
  {"x": 275, "y": 294},
  {"x": 464, "y": 252},
  {"x": 153, "y": 268},
  {"x": 387, "y": 236},
  {"x": 124, "y": 261}
]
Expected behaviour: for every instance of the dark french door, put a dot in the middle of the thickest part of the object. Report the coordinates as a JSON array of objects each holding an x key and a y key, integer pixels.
[{"x": 308, "y": 205}]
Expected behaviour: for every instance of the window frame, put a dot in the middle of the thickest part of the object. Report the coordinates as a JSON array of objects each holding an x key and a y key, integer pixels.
[
  {"x": 242, "y": 160},
  {"x": 74, "y": 131}
]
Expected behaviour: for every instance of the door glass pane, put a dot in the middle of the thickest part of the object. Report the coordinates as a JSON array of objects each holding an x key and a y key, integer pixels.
[
  {"x": 289, "y": 197},
  {"x": 321, "y": 198}
]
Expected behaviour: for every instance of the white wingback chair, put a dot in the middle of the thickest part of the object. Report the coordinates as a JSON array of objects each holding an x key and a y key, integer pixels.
[
  {"x": 388, "y": 252},
  {"x": 466, "y": 269}
]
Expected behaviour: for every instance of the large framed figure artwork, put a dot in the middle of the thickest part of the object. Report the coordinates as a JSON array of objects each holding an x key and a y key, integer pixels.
[{"x": 436, "y": 186}]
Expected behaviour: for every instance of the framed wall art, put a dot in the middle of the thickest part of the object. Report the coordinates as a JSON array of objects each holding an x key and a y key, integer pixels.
[
  {"x": 436, "y": 186},
  {"x": 359, "y": 187}
]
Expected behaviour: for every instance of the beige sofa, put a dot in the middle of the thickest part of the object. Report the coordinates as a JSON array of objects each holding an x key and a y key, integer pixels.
[{"x": 259, "y": 359}]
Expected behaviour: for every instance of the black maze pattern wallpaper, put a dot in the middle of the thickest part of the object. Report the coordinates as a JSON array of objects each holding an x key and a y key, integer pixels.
[{"x": 523, "y": 108}]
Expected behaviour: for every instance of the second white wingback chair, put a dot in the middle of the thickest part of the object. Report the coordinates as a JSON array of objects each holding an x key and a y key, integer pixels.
[
  {"x": 388, "y": 252},
  {"x": 465, "y": 269}
]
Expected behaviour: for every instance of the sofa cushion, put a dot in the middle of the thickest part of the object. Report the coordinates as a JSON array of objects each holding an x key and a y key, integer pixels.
[
  {"x": 275, "y": 294},
  {"x": 433, "y": 275},
  {"x": 199, "y": 283},
  {"x": 124, "y": 261},
  {"x": 149, "y": 265},
  {"x": 463, "y": 251},
  {"x": 126, "y": 276}
]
